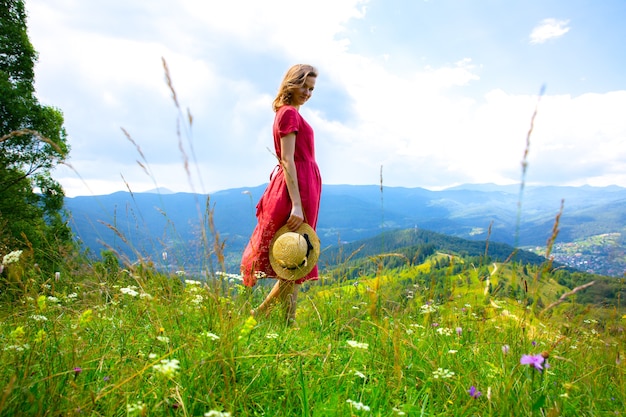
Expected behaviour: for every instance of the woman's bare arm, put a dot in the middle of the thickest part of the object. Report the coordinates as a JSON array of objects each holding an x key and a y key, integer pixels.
[{"x": 287, "y": 151}]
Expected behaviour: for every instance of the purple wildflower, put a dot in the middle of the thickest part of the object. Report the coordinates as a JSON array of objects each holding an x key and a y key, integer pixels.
[
  {"x": 473, "y": 392},
  {"x": 459, "y": 331},
  {"x": 537, "y": 361},
  {"x": 534, "y": 343},
  {"x": 78, "y": 370}
]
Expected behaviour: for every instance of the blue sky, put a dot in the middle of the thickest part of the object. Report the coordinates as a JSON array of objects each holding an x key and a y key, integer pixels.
[{"x": 438, "y": 93}]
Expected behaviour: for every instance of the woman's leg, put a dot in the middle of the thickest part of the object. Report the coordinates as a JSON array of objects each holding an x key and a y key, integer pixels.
[{"x": 284, "y": 291}]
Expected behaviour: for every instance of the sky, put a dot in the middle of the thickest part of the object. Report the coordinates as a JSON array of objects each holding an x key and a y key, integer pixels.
[{"x": 410, "y": 93}]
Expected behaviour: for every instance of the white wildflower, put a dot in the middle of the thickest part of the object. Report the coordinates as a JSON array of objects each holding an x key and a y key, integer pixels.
[
  {"x": 215, "y": 413},
  {"x": 428, "y": 308},
  {"x": 210, "y": 335},
  {"x": 197, "y": 299},
  {"x": 271, "y": 336},
  {"x": 138, "y": 408},
  {"x": 444, "y": 331},
  {"x": 17, "y": 348},
  {"x": 442, "y": 373},
  {"x": 39, "y": 317},
  {"x": 12, "y": 257},
  {"x": 358, "y": 405},
  {"x": 163, "y": 339},
  {"x": 129, "y": 291},
  {"x": 359, "y": 374},
  {"x": 192, "y": 282},
  {"x": 168, "y": 367},
  {"x": 355, "y": 344}
]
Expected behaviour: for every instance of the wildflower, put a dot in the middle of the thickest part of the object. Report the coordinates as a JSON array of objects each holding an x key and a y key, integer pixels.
[
  {"x": 428, "y": 308},
  {"x": 18, "y": 333},
  {"x": 39, "y": 317},
  {"x": 214, "y": 413},
  {"x": 442, "y": 373},
  {"x": 210, "y": 335},
  {"x": 53, "y": 299},
  {"x": 459, "y": 331},
  {"x": 72, "y": 296},
  {"x": 17, "y": 348},
  {"x": 473, "y": 392},
  {"x": 453, "y": 351},
  {"x": 271, "y": 336},
  {"x": 152, "y": 356},
  {"x": 11, "y": 257},
  {"x": 41, "y": 302},
  {"x": 505, "y": 349},
  {"x": 398, "y": 411},
  {"x": 164, "y": 255},
  {"x": 77, "y": 370},
  {"x": 129, "y": 291},
  {"x": 358, "y": 345},
  {"x": 192, "y": 282},
  {"x": 138, "y": 408},
  {"x": 163, "y": 339},
  {"x": 167, "y": 367},
  {"x": 249, "y": 324},
  {"x": 41, "y": 335},
  {"x": 85, "y": 317},
  {"x": 444, "y": 331},
  {"x": 537, "y": 361},
  {"x": 359, "y": 374},
  {"x": 57, "y": 276},
  {"x": 180, "y": 273},
  {"x": 197, "y": 299},
  {"x": 435, "y": 324},
  {"x": 358, "y": 405}
]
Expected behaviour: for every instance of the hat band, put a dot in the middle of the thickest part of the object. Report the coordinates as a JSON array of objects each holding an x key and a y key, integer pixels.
[{"x": 309, "y": 247}]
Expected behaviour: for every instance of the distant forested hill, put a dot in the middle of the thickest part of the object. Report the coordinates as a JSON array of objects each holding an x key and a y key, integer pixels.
[{"x": 148, "y": 224}]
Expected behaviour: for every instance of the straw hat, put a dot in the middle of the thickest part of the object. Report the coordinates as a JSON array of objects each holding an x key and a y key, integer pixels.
[{"x": 294, "y": 254}]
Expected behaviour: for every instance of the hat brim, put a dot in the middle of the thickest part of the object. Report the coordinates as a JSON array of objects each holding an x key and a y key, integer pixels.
[{"x": 312, "y": 258}]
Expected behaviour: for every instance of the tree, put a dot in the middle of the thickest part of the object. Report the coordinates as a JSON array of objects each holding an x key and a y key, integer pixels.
[{"x": 32, "y": 142}]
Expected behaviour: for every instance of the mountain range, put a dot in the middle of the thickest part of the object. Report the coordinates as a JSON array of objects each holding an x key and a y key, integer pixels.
[{"x": 153, "y": 223}]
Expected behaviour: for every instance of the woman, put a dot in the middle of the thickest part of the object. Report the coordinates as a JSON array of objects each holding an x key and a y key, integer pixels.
[{"x": 293, "y": 194}]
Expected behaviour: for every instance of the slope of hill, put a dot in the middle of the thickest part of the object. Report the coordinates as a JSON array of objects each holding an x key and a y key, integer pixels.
[{"x": 151, "y": 223}]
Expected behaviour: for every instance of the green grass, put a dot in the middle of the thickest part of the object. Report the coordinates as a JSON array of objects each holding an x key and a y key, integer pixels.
[{"x": 374, "y": 342}]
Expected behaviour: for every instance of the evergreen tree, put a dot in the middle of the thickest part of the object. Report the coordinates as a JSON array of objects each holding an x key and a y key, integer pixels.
[{"x": 32, "y": 142}]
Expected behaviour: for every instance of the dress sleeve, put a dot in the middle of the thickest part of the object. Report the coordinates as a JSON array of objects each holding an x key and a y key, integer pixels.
[{"x": 287, "y": 121}]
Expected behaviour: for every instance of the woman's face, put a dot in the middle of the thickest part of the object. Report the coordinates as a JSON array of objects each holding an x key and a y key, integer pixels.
[{"x": 300, "y": 95}]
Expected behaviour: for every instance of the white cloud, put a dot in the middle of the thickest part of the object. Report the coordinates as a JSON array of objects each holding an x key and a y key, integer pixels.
[
  {"x": 549, "y": 29},
  {"x": 421, "y": 124}
]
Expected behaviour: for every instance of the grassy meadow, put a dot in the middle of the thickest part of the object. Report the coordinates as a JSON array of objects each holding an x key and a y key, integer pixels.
[{"x": 103, "y": 340}]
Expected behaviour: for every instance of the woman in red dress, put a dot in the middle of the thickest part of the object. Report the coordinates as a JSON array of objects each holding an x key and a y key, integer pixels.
[{"x": 293, "y": 194}]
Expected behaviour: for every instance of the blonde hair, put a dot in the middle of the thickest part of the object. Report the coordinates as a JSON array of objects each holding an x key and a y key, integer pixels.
[{"x": 294, "y": 78}]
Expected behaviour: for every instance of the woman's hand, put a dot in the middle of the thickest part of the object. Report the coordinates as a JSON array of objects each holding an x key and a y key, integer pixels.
[{"x": 296, "y": 218}]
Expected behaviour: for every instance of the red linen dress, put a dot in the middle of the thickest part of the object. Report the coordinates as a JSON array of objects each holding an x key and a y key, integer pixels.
[{"x": 274, "y": 207}]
